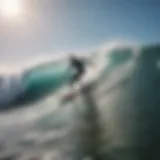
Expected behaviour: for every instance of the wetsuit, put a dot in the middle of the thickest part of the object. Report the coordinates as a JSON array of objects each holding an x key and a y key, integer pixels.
[{"x": 79, "y": 65}]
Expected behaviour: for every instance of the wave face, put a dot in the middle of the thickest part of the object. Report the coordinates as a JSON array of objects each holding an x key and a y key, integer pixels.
[{"x": 125, "y": 93}]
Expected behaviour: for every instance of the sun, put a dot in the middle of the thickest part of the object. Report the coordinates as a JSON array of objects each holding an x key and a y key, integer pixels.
[{"x": 10, "y": 8}]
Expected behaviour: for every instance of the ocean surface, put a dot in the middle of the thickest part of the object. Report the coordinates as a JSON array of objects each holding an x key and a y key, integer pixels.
[{"x": 117, "y": 117}]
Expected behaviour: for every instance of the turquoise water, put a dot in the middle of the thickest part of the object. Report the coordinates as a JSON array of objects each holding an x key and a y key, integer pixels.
[{"x": 46, "y": 80}]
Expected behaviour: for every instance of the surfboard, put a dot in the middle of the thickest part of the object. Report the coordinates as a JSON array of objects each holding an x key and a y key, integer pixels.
[
  {"x": 71, "y": 95},
  {"x": 68, "y": 97}
]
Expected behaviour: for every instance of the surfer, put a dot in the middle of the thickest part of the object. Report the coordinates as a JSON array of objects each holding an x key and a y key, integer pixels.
[{"x": 78, "y": 65}]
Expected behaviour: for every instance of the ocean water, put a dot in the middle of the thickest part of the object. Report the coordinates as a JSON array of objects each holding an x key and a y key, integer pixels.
[{"x": 115, "y": 118}]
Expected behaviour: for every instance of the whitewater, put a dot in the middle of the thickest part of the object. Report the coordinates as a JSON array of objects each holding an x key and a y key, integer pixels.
[{"x": 34, "y": 123}]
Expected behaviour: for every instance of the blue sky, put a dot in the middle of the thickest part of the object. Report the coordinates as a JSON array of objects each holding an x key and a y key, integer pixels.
[{"x": 78, "y": 25}]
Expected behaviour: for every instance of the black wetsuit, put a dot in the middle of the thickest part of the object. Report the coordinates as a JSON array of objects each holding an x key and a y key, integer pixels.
[{"x": 79, "y": 65}]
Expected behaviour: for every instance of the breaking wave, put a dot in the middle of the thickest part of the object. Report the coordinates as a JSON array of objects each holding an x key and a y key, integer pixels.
[{"x": 126, "y": 92}]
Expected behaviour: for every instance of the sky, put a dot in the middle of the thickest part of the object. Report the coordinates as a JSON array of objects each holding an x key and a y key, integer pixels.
[{"x": 47, "y": 27}]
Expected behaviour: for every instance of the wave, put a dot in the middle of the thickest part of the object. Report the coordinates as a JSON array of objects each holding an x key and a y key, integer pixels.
[
  {"x": 126, "y": 93},
  {"x": 38, "y": 82}
]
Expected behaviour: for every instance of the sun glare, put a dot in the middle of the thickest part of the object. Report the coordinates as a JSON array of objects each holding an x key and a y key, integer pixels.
[{"x": 11, "y": 8}]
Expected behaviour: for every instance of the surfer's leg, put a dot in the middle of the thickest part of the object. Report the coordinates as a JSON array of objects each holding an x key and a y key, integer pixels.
[
  {"x": 77, "y": 78},
  {"x": 74, "y": 78}
]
